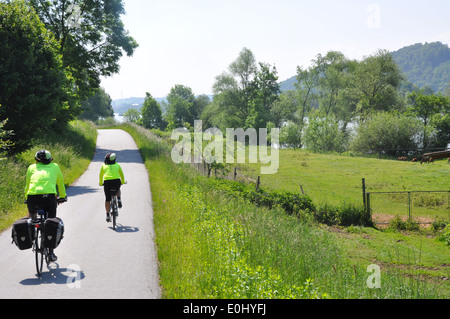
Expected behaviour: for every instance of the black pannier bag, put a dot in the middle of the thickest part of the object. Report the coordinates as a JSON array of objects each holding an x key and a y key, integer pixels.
[
  {"x": 23, "y": 234},
  {"x": 53, "y": 232}
]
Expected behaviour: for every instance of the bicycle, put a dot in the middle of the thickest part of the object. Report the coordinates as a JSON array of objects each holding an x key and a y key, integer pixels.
[
  {"x": 40, "y": 251},
  {"x": 114, "y": 210}
]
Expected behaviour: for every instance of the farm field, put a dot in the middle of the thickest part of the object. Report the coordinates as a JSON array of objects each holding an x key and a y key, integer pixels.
[{"x": 335, "y": 179}]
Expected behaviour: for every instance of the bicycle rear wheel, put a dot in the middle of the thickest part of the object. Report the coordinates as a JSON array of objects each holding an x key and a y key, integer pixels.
[{"x": 39, "y": 253}]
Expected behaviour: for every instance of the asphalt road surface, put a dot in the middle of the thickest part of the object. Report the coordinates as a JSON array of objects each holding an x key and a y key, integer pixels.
[{"x": 94, "y": 261}]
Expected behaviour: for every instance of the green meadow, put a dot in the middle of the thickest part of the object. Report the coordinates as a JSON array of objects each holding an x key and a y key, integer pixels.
[{"x": 335, "y": 179}]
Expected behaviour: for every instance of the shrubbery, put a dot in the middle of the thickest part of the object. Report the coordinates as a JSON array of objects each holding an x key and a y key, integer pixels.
[
  {"x": 398, "y": 224},
  {"x": 297, "y": 204},
  {"x": 344, "y": 215},
  {"x": 292, "y": 203},
  {"x": 446, "y": 235}
]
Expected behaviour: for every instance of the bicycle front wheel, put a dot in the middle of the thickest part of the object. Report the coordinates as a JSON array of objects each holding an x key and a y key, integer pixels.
[{"x": 114, "y": 217}]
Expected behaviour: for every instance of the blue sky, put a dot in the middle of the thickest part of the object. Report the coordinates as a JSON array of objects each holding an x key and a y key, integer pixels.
[{"x": 190, "y": 42}]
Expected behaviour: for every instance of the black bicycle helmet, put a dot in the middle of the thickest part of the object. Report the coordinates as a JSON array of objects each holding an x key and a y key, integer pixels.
[{"x": 43, "y": 157}]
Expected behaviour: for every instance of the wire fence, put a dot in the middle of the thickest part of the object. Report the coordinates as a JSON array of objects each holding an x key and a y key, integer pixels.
[{"x": 422, "y": 207}]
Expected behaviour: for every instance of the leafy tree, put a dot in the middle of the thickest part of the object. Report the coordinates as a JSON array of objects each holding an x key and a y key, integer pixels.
[
  {"x": 291, "y": 135},
  {"x": 36, "y": 92},
  {"x": 386, "y": 133},
  {"x": 151, "y": 113},
  {"x": 441, "y": 138},
  {"x": 97, "y": 106},
  {"x": 332, "y": 70},
  {"x": 91, "y": 35},
  {"x": 133, "y": 115},
  {"x": 180, "y": 107},
  {"x": 306, "y": 88},
  {"x": 235, "y": 86},
  {"x": 376, "y": 81},
  {"x": 264, "y": 92},
  {"x": 285, "y": 108},
  {"x": 5, "y": 142},
  {"x": 426, "y": 105},
  {"x": 322, "y": 133},
  {"x": 214, "y": 114},
  {"x": 245, "y": 94},
  {"x": 200, "y": 103}
]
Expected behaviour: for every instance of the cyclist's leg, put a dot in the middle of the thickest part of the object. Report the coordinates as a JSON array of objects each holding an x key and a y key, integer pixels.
[
  {"x": 51, "y": 205},
  {"x": 117, "y": 185},
  {"x": 32, "y": 202}
]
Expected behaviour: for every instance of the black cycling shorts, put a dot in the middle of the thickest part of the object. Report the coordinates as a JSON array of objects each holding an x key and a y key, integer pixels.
[
  {"x": 46, "y": 202},
  {"x": 111, "y": 184}
]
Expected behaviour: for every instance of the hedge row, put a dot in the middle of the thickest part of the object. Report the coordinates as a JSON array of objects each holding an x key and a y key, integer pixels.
[{"x": 296, "y": 204}]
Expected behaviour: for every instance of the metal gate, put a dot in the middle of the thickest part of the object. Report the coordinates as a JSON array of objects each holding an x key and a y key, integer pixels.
[{"x": 421, "y": 206}]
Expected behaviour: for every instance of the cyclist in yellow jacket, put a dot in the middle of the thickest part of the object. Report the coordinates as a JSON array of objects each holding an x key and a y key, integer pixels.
[
  {"x": 111, "y": 177},
  {"x": 44, "y": 181}
]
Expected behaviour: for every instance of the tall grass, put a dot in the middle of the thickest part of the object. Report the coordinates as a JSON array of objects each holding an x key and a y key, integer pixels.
[
  {"x": 72, "y": 150},
  {"x": 213, "y": 245}
]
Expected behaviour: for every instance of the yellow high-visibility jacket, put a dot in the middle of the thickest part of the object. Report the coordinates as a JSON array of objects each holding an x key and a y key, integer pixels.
[
  {"x": 111, "y": 172},
  {"x": 43, "y": 179}
]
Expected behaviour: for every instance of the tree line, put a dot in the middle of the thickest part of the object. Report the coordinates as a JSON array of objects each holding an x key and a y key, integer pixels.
[
  {"x": 52, "y": 55},
  {"x": 338, "y": 104}
]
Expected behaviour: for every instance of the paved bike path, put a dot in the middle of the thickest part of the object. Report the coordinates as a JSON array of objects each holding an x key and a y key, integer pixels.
[{"x": 94, "y": 261}]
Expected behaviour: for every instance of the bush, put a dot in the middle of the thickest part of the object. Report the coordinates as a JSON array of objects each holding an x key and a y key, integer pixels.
[
  {"x": 384, "y": 133},
  {"x": 326, "y": 214},
  {"x": 398, "y": 224},
  {"x": 292, "y": 203},
  {"x": 439, "y": 224},
  {"x": 322, "y": 134},
  {"x": 445, "y": 236},
  {"x": 344, "y": 215}
]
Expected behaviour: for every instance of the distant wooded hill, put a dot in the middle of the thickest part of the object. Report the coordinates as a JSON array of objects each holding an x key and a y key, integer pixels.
[
  {"x": 422, "y": 64},
  {"x": 425, "y": 64}
]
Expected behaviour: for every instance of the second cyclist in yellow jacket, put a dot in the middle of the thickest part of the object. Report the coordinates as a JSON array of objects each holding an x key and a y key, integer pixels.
[{"x": 111, "y": 177}]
